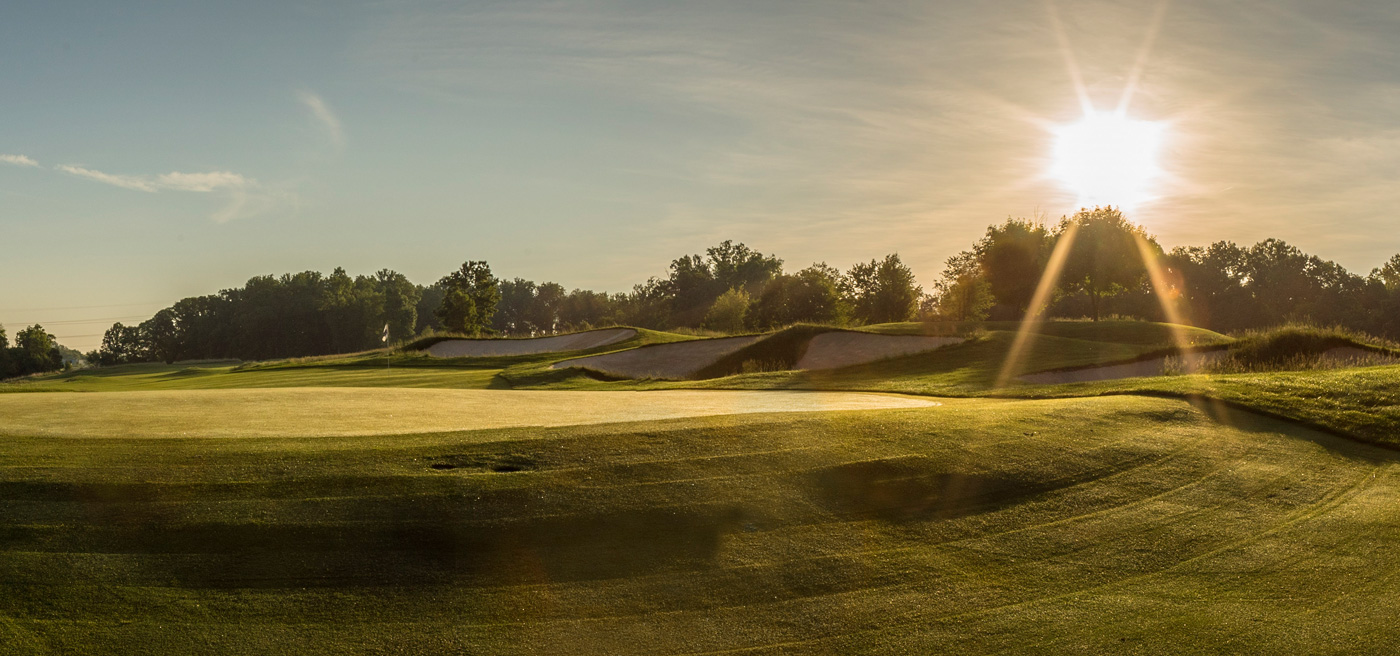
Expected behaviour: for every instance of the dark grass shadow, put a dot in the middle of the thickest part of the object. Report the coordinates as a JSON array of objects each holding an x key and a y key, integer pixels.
[
  {"x": 912, "y": 489},
  {"x": 411, "y": 550}
]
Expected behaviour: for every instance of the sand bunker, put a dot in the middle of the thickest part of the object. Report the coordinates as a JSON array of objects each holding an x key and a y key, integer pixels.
[
  {"x": 479, "y": 348},
  {"x": 843, "y": 349},
  {"x": 1154, "y": 367},
  {"x": 670, "y": 361},
  {"x": 1342, "y": 356},
  {"x": 329, "y": 412}
]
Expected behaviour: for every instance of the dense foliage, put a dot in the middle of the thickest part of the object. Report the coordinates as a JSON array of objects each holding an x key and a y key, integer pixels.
[
  {"x": 1103, "y": 271},
  {"x": 35, "y": 351}
]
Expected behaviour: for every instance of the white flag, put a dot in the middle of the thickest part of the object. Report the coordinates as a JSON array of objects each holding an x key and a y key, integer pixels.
[{"x": 385, "y": 338}]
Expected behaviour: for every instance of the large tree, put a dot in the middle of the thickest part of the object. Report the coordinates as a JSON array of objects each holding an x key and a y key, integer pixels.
[
  {"x": 470, "y": 297},
  {"x": 962, "y": 293},
  {"x": 695, "y": 281},
  {"x": 35, "y": 351},
  {"x": 1012, "y": 257},
  {"x": 812, "y": 295},
  {"x": 1104, "y": 259},
  {"x": 882, "y": 291}
]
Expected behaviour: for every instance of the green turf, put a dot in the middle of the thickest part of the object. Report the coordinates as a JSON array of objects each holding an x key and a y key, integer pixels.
[{"x": 1102, "y": 525}]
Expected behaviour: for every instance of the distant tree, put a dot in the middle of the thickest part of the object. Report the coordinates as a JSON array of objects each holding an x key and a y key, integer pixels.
[
  {"x": 429, "y": 300},
  {"x": 728, "y": 311},
  {"x": 513, "y": 311},
  {"x": 544, "y": 310},
  {"x": 1211, "y": 284},
  {"x": 810, "y": 295},
  {"x": 1104, "y": 259},
  {"x": 581, "y": 309},
  {"x": 1388, "y": 274},
  {"x": 962, "y": 293},
  {"x": 7, "y": 367},
  {"x": 159, "y": 337},
  {"x": 1012, "y": 257},
  {"x": 882, "y": 291},
  {"x": 35, "y": 351},
  {"x": 470, "y": 298},
  {"x": 695, "y": 282},
  {"x": 400, "y": 303},
  {"x": 648, "y": 305}
]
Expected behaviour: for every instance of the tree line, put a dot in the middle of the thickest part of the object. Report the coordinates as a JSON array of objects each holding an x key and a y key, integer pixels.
[
  {"x": 731, "y": 288},
  {"x": 1224, "y": 286}
]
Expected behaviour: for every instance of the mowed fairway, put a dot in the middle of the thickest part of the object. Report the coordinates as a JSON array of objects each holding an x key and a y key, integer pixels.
[
  {"x": 306, "y": 412},
  {"x": 1116, "y": 524}
]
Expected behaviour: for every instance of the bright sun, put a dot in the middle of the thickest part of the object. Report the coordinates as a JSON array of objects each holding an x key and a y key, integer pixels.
[{"x": 1108, "y": 159}]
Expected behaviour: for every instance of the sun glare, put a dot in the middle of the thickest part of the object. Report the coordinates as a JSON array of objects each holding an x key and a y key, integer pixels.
[{"x": 1108, "y": 159}]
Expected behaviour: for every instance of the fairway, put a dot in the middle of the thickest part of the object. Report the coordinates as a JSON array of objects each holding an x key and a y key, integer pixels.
[
  {"x": 1114, "y": 524},
  {"x": 314, "y": 412}
]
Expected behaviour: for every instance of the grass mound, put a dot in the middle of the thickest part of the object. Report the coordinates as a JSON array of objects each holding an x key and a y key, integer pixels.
[
  {"x": 1302, "y": 347},
  {"x": 779, "y": 351}
]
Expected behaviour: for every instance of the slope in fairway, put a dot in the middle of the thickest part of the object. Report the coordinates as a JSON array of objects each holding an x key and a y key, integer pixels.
[
  {"x": 1104, "y": 525},
  {"x": 306, "y": 412}
]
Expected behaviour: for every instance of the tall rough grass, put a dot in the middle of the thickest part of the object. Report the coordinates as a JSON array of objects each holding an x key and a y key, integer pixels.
[{"x": 1295, "y": 347}]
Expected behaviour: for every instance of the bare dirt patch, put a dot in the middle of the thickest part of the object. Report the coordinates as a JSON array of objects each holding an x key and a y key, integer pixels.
[{"x": 479, "y": 348}]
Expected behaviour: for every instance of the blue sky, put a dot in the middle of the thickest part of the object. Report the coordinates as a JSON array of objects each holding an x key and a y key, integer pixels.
[{"x": 151, "y": 152}]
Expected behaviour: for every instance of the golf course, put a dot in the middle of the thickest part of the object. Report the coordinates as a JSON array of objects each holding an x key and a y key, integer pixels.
[{"x": 399, "y": 502}]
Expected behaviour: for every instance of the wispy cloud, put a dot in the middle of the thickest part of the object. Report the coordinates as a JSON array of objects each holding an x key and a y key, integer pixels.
[
  {"x": 124, "y": 181},
  {"x": 928, "y": 118},
  {"x": 176, "y": 181},
  {"x": 324, "y": 116},
  {"x": 18, "y": 160}
]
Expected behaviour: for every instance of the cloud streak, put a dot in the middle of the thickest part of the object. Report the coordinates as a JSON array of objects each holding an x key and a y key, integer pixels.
[
  {"x": 18, "y": 160},
  {"x": 174, "y": 181},
  {"x": 324, "y": 116}
]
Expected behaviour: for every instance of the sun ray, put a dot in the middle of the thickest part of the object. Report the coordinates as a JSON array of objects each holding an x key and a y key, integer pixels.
[
  {"x": 1140, "y": 64},
  {"x": 1025, "y": 333},
  {"x": 1071, "y": 64}
]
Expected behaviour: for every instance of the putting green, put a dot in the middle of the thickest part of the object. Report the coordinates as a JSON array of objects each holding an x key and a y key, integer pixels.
[{"x": 318, "y": 412}]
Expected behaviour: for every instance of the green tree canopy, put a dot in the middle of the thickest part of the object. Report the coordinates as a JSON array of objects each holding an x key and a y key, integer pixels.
[
  {"x": 882, "y": 291},
  {"x": 1104, "y": 259}
]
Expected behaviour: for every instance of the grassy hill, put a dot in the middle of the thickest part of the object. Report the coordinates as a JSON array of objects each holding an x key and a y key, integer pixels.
[{"x": 1113, "y": 524}]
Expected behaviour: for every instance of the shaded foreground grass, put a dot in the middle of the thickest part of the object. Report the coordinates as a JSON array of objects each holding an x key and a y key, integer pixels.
[{"x": 1072, "y": 525}]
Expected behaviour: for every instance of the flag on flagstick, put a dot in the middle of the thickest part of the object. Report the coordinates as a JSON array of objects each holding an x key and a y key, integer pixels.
[{"x": 385, "y": 338}]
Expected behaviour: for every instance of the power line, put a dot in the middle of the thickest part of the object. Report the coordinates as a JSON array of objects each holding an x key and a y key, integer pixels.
[
  {"x": 65, "y": 322},
  {"x": 81, "y": 307}
]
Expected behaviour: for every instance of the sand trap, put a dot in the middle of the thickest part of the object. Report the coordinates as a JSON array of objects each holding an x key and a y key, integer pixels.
[
  {"x": 323, "y": 412},
  {"x": 1342, "y": 356},
  {"x": 1154, "y": 367},
  {"x": 672, "y": 361},
  {"x": 843, "y": 349},
  {"x": 479, "y": 348}
]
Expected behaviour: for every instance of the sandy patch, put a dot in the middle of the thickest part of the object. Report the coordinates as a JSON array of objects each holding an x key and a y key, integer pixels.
[
  {"x": 670, "y": 361},
  {"x": 843, "y": 349},
  {"x": 478, "y": 348},
  {"x": 325, "y": 412},
  {"x": 1342, "y": 356},
  {"x": 1154, "y": 367}
]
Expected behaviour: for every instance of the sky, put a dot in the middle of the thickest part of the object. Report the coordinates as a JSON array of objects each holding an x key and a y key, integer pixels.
[{"x": 154, "y": 151}]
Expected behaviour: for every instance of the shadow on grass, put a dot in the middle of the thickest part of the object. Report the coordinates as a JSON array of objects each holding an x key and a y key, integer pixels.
[
  {"x": 910, "y": 489},
  {"x": 408, "y": 551}
]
